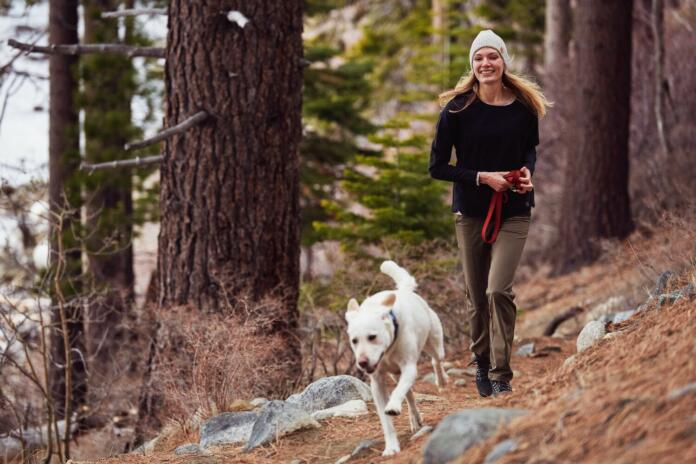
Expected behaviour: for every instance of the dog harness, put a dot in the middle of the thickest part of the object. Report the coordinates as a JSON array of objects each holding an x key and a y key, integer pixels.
[{"x": 496, "y": 206}]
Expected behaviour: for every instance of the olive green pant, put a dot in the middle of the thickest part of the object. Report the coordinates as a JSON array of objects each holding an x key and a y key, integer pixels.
[{"x": 488, "y": 273}]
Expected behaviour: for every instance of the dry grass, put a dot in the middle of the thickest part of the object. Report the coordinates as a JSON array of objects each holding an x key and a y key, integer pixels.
[{"x": 206, "y": 363}]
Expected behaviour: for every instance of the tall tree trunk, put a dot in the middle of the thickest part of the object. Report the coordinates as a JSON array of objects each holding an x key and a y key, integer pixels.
[
  {"x": 108, "y": 89},
  {"x": 67, "y": 377},
  {"x": 558, "y": 33},
  {"x": 595, "y": 196},
  {"x": 229, "y": 186},
  {"x": 558, "y": 136}
]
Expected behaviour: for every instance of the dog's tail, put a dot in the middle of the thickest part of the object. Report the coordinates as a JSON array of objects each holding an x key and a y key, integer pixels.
[{"x": 404, "y": 280}]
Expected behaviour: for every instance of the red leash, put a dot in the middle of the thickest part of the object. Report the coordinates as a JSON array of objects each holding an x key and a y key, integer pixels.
[{"x": 496, "y": 206}]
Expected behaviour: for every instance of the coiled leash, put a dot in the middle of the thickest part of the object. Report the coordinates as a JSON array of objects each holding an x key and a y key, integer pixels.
[{"x": 496, "y": 206}]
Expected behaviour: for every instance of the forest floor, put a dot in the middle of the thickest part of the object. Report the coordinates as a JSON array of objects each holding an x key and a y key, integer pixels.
[{"x": 610, "y": 404}]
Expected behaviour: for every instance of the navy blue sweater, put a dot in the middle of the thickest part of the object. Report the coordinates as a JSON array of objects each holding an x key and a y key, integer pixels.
[{"x": 485, "y": 138}]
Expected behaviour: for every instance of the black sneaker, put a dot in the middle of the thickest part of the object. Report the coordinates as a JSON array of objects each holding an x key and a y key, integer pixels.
[
  {"x": 501, "y": 387},
  {"x": 483, "y": 383}
]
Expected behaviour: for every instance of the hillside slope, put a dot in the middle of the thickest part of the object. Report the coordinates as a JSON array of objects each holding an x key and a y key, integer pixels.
[{"x": 617, "y": 401}]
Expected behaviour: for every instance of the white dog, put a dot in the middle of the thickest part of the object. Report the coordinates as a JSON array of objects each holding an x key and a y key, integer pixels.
[{"x": 387, "y": 333}]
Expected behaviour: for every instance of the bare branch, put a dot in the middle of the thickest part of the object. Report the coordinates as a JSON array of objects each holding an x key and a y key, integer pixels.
[
  {"x": 135, "y": 12},
  {"x": 135, "y": 162},
  {"x": 77, "y": 49},
  {"x": 560, "y": 318},
  {"x": 178, "y": 129}
]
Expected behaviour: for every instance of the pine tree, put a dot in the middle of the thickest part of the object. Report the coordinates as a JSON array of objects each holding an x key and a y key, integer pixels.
[{"x": 399, "y": 202}]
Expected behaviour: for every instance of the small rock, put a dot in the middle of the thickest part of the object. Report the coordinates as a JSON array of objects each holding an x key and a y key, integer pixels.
[
  {"x": 455, "y": 371},
  {"x": 500, "y": 450},
  {"x": 146, "y": 448},
  {"x": 430, "y": 378},
  {"x": 353, "y": 408},
  {"x": 425, "y": 398},
  {"x": 364, "y": 446},
  {"x": 470, "y": 371},
  {"x": 227, "y": 428},
  {"x": 662, "y": 282},
  {"x": 296, "y": 461},
  {"x": 423, "y": 431},
  {"x": 682, "y": 391},
  {"x": 611, "y": 335},
  {"x": 569, "y": 360},
  {"x": 589, "y": 335},
  {"x": 622, "y": 316},
  {"x": 668, "y": 298},
  {"x": 459, "y": 431},
  {"x": 460, "y": 382},
  {"x": 278, "y": 418},
  {"x": 190, "y": 448},
  {"x": 328, "y": 392},
  {"x": 259, "y": 401},
  {"x": 525, "y": 350},
  {"x": 447, "y": 365}
]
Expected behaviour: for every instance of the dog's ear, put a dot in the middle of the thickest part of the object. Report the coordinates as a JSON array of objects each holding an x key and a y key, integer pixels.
[
  {"x": 389, "y": 300},
  {"x": 353, "y": 307}
]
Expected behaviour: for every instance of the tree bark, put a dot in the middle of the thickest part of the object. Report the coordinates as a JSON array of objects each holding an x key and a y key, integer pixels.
[
  {"x": 108, "y": 89},
  {"x": 595, "y": 200},
  {"x": 64, "y": 204},
  {"x": 229, "y": 186}
]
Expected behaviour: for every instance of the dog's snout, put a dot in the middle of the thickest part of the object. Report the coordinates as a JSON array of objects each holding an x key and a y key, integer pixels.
[{"x": 363, "y": 363}]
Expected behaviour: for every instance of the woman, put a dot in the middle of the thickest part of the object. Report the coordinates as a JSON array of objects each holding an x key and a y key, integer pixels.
[{"x": 491, "y": 118}]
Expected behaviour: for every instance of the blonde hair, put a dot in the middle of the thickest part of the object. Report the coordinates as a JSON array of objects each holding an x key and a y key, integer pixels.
[{"x": 527, "y": 91}]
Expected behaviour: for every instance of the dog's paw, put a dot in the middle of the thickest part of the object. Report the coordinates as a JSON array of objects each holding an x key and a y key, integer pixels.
[
  {"x": 392, "y": 409},
  {"x": 390, "y": 451}
]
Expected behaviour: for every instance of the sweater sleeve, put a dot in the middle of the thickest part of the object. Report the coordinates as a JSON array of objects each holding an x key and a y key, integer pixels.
[
  {"x": 441, "y": 152},
  {"x": 530, "y": 159},
  {"x": 533, "y": 140}
]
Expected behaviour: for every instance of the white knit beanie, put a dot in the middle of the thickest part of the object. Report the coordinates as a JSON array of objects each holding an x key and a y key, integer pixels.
[{"x": 489, "y": 38}]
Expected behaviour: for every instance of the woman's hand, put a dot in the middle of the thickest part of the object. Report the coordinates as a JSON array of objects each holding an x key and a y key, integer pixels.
[
  {"x": 525, "y": 181},
  {"x": 495, "y": 180}
]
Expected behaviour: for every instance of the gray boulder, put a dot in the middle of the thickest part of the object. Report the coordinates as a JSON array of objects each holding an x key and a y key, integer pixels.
[
  {"x": 590, "y": 334},
  {"x": 227, "y": 428},
  {"x": 328, "y": 392},
  {"x": 458, "y": 432},
  {"x": 278, "y": 418},
  {"x": 500, "y": 450},
  {"x": 525, "y": 350},
  {"x": 190, "y": 448}
]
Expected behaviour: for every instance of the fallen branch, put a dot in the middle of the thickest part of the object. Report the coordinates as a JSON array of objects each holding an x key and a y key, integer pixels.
[
  {"x": 561, "y": 318},
  {"x": 178, "y": 129},
  {"x": 135, "y": 162},
  {"x": 134, "y": 12},
  {"x": 77, "y": 49}
]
